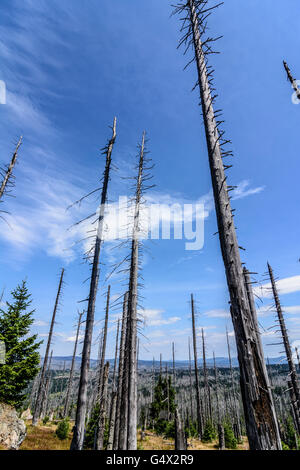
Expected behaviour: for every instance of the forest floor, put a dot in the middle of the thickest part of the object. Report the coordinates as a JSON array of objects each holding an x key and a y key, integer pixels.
[
  {"x": 154, "y": 442},
  {"x": 43, "y": 437}
]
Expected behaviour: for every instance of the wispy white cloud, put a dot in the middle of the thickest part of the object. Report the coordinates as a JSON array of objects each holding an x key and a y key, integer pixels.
[
  {"x": 154, "y": 317},
  {"x": 243, "y": 190},
  {"x": 287, "y": 285},
  {"x": 217, "y": 313}
]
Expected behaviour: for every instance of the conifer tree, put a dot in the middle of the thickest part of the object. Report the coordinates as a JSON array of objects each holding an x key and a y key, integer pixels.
[{"x": 22, "y": 358}]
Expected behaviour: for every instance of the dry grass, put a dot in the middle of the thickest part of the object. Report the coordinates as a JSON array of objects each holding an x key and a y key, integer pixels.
[
  {"x": 154, "y": 442},
  {"x": 44, "y": 438}
]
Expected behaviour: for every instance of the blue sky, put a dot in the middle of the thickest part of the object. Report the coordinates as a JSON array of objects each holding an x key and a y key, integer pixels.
[{"x": 69, "y": 68}]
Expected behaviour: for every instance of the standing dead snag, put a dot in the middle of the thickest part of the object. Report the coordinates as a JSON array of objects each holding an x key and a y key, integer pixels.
[
  {"x": 102, "y": 413},
  {"x": 207, "y": 398},
  {"x": 294, "y": 389},
  {"x": 70, "y": 382},
  {"x": 180, "y": 439},
  {"x": 132, "y": 307},
  {"x": 7, "y": 174},
  {"x": 121, "y": 378},
  {"x": 78, "y": 436},
  {"x": 262, "y": 428},
  {"x": 197, "y": 384},
  {"x": 113, "y": 403},
  {"x": 292, "y": 80},
  {"x": 41, "y": 390},
  {"x": 103, "y": 350}
]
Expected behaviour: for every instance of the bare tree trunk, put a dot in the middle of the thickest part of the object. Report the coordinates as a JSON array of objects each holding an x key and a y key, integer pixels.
[
  {"x": 235, "y": 404},
  {"x": 41, "y": 389},
  {"x": 8, "y": 174},
  {"x": 103, "y": 350},
  {"x": 102, "y": 414},
  {"x": 217, "y": 392},
  {"x": 113, "y": 403},
  {"x": 208, "y": 408},
  {"x": 259, "y": 409},
  {"x": 293, "y": 374},
  {"x": 292, "y": 80},
  {"x": 199, "y": 410},
  {"x": 70, "y": 382},
  {"x": 121, "y": 374},
  {"x": 191, "y": 385},
  {"x": 46, "y": 398},
  {"x": 180, "y": 439},
  {"x": 78, "y": 435},
  {"x": 123, "y": 413},
  {"x": 132, "y": 310}
]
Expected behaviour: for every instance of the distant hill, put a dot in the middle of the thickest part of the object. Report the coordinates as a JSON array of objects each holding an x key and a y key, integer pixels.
[{"x": 58, "y": 362}]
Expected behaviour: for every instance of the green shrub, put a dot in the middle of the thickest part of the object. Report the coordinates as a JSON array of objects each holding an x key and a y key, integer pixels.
[
  {"x": 284, "y": 446},
  {"x": 46, "y": 420},
  {"x": 230, "y": 440},
  {"x": 209, "y": 433},
  {"x": 63, "y": 429}
]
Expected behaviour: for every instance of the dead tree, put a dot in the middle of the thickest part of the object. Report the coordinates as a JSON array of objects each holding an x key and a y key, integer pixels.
[
  {"x": 292, "y": 80},
  {"x": 132, "y": 305},
  {"x": 7, "y": 174},
  {"x": 113, "y": 403},
  {"x": 102, "y": 414},
  {"x": 180, "y": 439},
  {"x": 70, "y": 382},
  {"x": 78, "y": 436},
  {"x": 103, "y": 349},
  {"x": 197, "y": 384},
  {"x": 190, "y": 375},
  {"x": 262, "y": 429},
  {"x": 41, "y": 390},
  {"x": 219, "y": 414},
  {"x": 234, "y": 400},
  {"x": 294, "y": 390},
  {"x": 121, "y": 375},
  {"x": 207, "y": 400},
  {"x": 47, "y": 387}
]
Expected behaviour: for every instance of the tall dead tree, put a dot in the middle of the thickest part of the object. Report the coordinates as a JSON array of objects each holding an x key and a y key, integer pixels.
[
  {"x": 78, "y": 436},
  {"x": 113, "y": 402},
  {"x": 292, "y": 80},
  {"x": 70, "y": 382},
  {"x": 7, "y": 173},
  {"x": 294, "y": 389},
  {"x": 197, "y": 384},
  {"x": 262, "y": 428},
  {"x": 233, "y": 397},
  {"x": 102, "y": 413},
  {"x": 121, "y": 376},
  {"x": 180, "y": 439},
  {"x": 207, "y": 400},
  {"x": 191, "y": 382},
  {"x": 47, "y": 387},
  {"x": 41, "y": 390},
  {"x": 132, "y": 305},
  {"x": 103, "y": 349}
]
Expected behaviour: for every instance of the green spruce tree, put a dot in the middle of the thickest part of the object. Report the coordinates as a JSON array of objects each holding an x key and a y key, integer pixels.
[{"x": 21, "y": 359}]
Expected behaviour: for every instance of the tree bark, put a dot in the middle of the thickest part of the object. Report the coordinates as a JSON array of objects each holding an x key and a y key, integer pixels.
[
  {"x": 41, "y": 389},
  {"x": 78, "y": 436},
  {"x": 292, "y": 80},
  {"x": 132, "y": 310},
  {"x": 10, "y": 168},
  {"x": 120, "y": 373},
  {"x": 198, "y": 399},
  {"x": 70, "y": 382},
  {"x": 258, "y": 404},
  {"x": 295, "y": 395}
]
